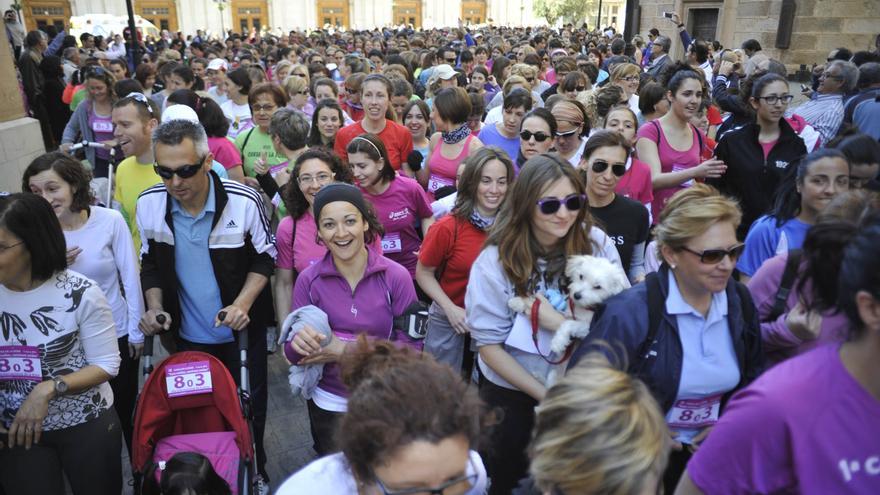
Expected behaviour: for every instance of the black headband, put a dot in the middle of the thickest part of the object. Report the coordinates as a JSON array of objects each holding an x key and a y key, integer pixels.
[{"x": 339, "y": 192}]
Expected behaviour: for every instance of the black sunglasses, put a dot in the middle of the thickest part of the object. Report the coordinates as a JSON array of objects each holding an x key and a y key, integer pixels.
[
  {"x": 184, "y": 172},
  {"x": 572, "y": 202},
  {"x": 600, "y": 166},
  {"x": 539, "y": 136},
  {"x": 580, "y": 88},
  {"x": 715, "y": 256}
]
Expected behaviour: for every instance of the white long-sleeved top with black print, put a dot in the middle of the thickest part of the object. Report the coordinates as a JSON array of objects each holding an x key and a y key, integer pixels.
[{"x": 70, "y": 323}]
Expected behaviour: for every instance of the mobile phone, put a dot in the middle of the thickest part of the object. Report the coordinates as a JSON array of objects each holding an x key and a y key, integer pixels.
[
  {"x": 667, "y": 15},
  {"x": 804, "y": 88}
]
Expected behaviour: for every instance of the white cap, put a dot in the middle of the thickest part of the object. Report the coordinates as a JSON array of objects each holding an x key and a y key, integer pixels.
[
  {"x": 180, "y": 112},
  {"x": 444, "y": 71},
  {"x": 218, "y": 64}
]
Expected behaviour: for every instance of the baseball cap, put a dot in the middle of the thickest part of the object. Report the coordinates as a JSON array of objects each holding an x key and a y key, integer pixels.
[
  {"x": 444, "y": 71},
  {"x": 180, "y": 112}
]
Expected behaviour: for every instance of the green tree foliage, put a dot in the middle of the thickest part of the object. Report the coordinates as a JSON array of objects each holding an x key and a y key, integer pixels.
[{"x": 568, "y": 10}]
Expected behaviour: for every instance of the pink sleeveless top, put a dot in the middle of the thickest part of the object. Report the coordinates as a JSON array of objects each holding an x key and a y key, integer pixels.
[{"x": 443, "y": 169}]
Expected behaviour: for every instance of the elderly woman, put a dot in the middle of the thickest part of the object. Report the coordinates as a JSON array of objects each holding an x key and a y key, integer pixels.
[
  {"x": 59, "y": 349},
  {"x": 255, "y": 144},
  {"x": 690, "y": 332}
]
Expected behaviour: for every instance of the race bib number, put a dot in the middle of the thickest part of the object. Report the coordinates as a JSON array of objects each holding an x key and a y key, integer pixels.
[
  {"x": 436, "y": 182},
  {"x": 694, "y": 413},
  {"x": 20, "y": 362},
  {"x": 103, "y": 126},
  {"x": 188, "y": 379},
  {"x": 677, "y": 167},
  {"x": 391, "y": 243}
]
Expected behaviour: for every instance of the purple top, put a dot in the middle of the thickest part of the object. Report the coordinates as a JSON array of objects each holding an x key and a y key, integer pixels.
[
  {"x": 386, "y": 290},
  {"x": 399, "y": 209},
  {"x": 102, "y": 127},
  {"x": 806, "y": 426},
  {"x": 779, "y": 342}
]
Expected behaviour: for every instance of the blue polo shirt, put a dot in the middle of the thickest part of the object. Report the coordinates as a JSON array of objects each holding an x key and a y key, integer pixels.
[
  {"x": 709, "y": 366},
  {"x": 197, "y": 287}
]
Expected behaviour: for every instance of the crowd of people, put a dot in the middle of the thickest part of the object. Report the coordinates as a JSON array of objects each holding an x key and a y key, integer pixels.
[{"x": 353, "y": 182}]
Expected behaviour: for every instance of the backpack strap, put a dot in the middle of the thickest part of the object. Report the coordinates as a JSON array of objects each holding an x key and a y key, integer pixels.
[
  {"x": 244, "y": 143},
  {"x": 655, "y": 315},
  {"x": 785, "y": 286}
]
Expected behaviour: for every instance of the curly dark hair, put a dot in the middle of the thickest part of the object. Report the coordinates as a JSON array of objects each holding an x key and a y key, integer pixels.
[
  {"x": 292, "y": 195},
  {"x": 71, "y": 171},
  {"x": 398, "y": 397}
]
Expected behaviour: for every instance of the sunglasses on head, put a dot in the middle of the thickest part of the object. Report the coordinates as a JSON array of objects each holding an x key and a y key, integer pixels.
[
  {"x": 715, "y": 256},
  {"x": 567, "y": 133},
  {"x": 572, "y": 202},
  {"x": 600, "y": 166},
  {"x": 184, "y": 172},
  {"x": 141, "y": 98},
  {"x": 539, "y": 136}
]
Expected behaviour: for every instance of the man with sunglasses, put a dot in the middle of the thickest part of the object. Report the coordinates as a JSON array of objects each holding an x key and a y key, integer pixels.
[{"x": 207, "y": 255}]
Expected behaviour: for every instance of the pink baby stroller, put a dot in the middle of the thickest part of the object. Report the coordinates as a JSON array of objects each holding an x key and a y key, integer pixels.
[{"x": 191, "y": 404}]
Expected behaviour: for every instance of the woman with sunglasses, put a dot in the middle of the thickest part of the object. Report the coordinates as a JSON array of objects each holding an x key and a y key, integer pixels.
[
  {"x": 807, "y": 188},
  {"x": 91, "y": 121},
  {"x": 624, "y": 220},
  {"x": 297, "y": 236},
  {"x": 410, "y": 428},
  {"x": 759, "y": 153},
  {"x": 298, "y": 93},
  {"x": 572, "y": 127},
  {"x": 453, "y": 141},
  {"x": 542, "y": 222},
  {"x": 574, "y": 83},
  {"x": 536, "y": 133},
  {"x": 690, "y": 332}
]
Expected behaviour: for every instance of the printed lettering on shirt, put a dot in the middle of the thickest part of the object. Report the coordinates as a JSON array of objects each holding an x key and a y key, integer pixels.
[
  {"x": 231, "y": 224},
  {"x": 781, "y": 164},
  {"x": 850, "y": 468},
  {"x": 618, "y": 239},
  {"x": 398, "y": 215},
  {"x": 354, "y": 311}
]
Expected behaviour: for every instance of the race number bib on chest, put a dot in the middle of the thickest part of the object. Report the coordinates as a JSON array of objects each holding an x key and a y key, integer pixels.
[
  {"x": 391, "y": 243},
  {"x": 102, "y": 126},
  {"x": 20, "y": 362},
  {"x": 694, "y": 413},
  {"x": 188, "y": 379},
  {"x": 436, "y": 182}
]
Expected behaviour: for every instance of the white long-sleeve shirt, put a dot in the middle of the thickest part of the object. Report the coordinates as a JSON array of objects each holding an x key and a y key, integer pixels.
[{"x": 108, "y": 257}]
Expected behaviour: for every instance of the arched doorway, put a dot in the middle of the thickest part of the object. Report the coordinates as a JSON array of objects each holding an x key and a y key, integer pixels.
[
  {"x": 333, "y": 12},
  {"x": 41, "y": 13},
  {"x": 163, "y": 14},
  {"x": 473, "y": 11},
  {"x": 247, "y": 14},
  {"x": 407, "y": 12}
]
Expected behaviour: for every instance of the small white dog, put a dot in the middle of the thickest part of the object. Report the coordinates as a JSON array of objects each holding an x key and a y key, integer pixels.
[{"x": 592, "y": 280}]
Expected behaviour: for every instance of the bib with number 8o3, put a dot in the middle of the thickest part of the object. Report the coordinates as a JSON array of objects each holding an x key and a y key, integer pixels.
[
  {"x": 694, "y": 413},
  {"x": 188, "y": 379},
  {"x": 391, "y": 243},
  {"x": 20, "y": 362}
]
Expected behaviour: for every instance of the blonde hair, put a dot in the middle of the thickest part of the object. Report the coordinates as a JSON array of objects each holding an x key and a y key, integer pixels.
[
  {"x": 624, "y": 70},
  {"x": 293, "y": 85},
  {"x": 512, "y": 81},
  {"x": 598, "y": 431},
  {"x": 690, "y": 212},
  {"x": 524, "y": 70}
]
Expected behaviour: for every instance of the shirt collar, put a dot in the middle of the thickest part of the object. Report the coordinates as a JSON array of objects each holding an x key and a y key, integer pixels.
[
  {"x": 210, "y": 203},
  {"x": 676, "y": 305}
]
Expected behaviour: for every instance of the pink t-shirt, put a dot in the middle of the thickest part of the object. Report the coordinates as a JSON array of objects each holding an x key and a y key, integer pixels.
[
  {"x": 671, "y": 160},
  {"x": 224, "y": 152},
  {"x": 767, "y": 147},
  {"x": 400, "y": 208},
  {"x": 443, "y": 169},
  {"x": 304, "y": 251},
  {"x": 636, "y": 183},
  {"x": 805, "y": 426}
]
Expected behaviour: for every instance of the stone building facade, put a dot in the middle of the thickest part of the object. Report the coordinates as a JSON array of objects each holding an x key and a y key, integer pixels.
[{"x": 819, "y": 26}]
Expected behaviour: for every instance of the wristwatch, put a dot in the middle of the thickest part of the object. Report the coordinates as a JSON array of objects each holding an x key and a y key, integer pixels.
[{"x": 60, "y": 385}]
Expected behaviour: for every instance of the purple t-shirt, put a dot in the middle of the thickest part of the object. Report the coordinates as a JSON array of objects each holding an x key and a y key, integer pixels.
[
  {"x": 806, "y": 426},
  {"x": 399, "y": 209},
  {"x": 779, "y": 342},
  {"x": 302, "y": 252},
  {"x": 385, "y": 291},
  {"x": 102, "y": 128},
  {"x": 671, "y": 160}
]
